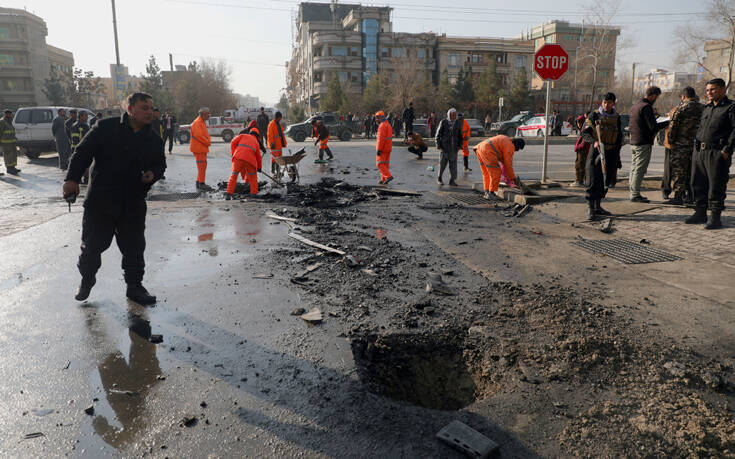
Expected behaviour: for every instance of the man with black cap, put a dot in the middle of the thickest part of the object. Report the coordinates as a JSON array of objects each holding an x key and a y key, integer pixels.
[
  {"x": 604, "y": 131},
  {"x": 713, "y": 149},
  {"x": 128, "y": 159},
  {"x": 70, "y": 122},
  {"x": 262, "y": 121},
  {"x": 8, "y": 140}
]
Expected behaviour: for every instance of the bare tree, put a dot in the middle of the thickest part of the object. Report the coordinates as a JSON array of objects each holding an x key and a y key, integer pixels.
[
  {"x": 598, "y": 46},
  {"x": 718, "y": 26}
]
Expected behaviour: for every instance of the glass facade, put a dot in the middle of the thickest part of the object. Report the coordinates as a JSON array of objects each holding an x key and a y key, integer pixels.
[{"x": 370, "y": 28}]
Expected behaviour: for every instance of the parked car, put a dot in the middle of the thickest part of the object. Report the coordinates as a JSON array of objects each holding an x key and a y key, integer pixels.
[
  {"x": 33, "y": 128},
  {"x": 341, "y": 129},
  {"x": 420, "y": 127},
  {"x": 477, "y": 129},
  {"x": 216, "y": 126},
  {"x": 509, "y": 127},
  {"x": 534, "y": 127}
]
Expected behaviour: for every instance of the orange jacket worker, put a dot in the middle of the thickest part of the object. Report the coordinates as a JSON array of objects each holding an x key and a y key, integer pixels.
[
  {"x": 199, "y": 146},
  {"x": 491, "y": 153},
  {"x": 383, "y": 147},
  {"x": 246, "y": 159},
  {"x": 276, "y": 140},
  {"x": 466, "y": 134}
]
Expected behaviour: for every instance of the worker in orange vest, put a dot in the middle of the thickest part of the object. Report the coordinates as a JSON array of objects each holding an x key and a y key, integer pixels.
[
  {"x": 246, "y": 159},
  {"x": 491, "y": 153},
  {"x": 466, "y": 134},
  {"x": 199, "y": 146},
  {"x": 276, "y": 140},
  {"x": 383, "y": 147},
  {"x": 321, "y": 132}
]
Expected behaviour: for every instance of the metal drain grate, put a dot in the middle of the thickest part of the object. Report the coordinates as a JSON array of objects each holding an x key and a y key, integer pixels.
[
  {"x": 469, "y": 199},
  {"x": 625, "y": 251},
  {"x": 173, "y": 196}
]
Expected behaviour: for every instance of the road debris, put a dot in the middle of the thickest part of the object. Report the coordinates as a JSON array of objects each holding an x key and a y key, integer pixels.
[
  {"x": 466, "y": 439},
  {"x": 262, "y": 275},
  {"x": 305, "y": 273},
  {"x": 302, "y": 239},
  {"x": 271, "y": 214},
  {"x": 33, "y": 435},
  {"x": 89, "y": 410},
  {"x": 298, "y": 311},
  {"x": 156, "y": 339},
  {"x": 607, "y": 226},
  {"x": 435, "y": 284},
  {"x": 370, "y": 272},
  {"x": 314, "y": 316},
  {"x": 352, "y": 261},
  {"x": 515, "y": 210},
  {"x": 189, "y": 421}
]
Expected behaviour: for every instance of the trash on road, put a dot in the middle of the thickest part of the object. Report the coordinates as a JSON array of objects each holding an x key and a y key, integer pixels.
[
  {"x": 466, "y": 439},
  {"x": 370, "y": 272},
  {"x": 33, "y": 435},
  {"x": 298, "y": 312},
  {"x": 271, "y": 214},
  {"x": 302, "y": 239},
  {"x": 262, "y": 275},
  {"x": 435, "y": 284},
  {"x": 314, "y": 316},
  {"x": 607, "y": 226},
  {"x": 352, "y": 261},
  {"x": 516, "y": 210}
]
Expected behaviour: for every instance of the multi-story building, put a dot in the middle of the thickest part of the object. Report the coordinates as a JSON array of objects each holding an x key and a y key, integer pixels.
[
  {"x": 666, "y": 80},
  {"x": 718, "y": 61},
  {"x": 591, "y": 50},
  {"x": 356, "y": 42},
  {"x": 457, "y": 54},
  {"x": 26, "y": 59}
]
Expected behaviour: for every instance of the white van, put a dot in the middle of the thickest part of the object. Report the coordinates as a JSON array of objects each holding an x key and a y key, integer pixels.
[{"x": 33, "y": 128}]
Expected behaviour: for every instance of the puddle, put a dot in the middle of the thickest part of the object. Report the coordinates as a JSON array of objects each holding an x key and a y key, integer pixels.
[{"x": 425, "y": 370}]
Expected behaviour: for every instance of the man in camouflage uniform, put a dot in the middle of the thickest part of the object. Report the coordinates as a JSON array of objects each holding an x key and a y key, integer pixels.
[
  {"x": 682, "y": 130},
  {"x": 8, "y": 141}
]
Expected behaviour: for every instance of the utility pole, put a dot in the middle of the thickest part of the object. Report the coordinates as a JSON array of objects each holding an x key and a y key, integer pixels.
[{"x": 114, "y": 27}]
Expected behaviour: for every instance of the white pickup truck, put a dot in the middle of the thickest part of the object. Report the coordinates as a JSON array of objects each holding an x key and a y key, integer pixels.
[{"x": 217, "y": 127}]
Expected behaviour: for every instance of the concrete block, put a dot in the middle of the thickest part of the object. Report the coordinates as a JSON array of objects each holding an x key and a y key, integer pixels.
[{"x": 466, "y": 439}]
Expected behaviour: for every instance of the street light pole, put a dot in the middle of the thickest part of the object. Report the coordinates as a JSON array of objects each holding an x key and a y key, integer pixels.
[{"x": 114, "y": 28}]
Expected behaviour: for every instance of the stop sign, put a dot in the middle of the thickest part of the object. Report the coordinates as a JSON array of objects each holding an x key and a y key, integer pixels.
[{"x": 551, "y": 62}]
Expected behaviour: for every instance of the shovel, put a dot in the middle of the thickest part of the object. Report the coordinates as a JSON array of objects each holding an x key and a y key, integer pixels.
[{"x": 280, "y": 185}]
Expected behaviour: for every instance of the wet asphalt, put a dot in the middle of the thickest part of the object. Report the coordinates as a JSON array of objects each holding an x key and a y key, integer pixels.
[{"x": 235, "y": 373}]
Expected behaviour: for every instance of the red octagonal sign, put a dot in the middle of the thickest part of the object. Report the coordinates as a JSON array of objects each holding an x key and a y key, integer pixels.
[{"x": 551, "y": 62}]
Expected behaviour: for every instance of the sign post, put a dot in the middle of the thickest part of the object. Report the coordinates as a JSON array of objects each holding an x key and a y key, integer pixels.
[
  {"x": 550, "y": 62},
  {"x": 500, "y": 109}
]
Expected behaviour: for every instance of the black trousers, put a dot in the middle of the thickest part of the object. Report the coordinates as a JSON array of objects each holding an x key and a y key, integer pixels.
[
  {"x": 710, "y": 173},
  {"x": 418, "y": 150},
  {"x": 666, "y": 178},
  {"x": 168, "y": 135},
  {"x": 595, "y": 189},
  {"x": 98, "y": 228}
]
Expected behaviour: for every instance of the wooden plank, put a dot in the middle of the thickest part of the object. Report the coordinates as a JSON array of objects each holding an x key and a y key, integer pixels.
[{"x": 302, "y": 239}]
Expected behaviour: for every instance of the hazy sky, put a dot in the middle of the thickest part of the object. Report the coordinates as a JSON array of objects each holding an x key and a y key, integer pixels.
[{"x": 254, "y": 36}]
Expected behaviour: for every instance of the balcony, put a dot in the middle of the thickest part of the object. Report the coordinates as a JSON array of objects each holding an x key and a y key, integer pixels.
[
  {"x": 336, "y": 37},
  {"x": 337, "y": 63}
]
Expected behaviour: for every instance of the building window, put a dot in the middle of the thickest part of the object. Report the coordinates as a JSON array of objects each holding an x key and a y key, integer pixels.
[
  {"x": 369, "y": 48},
  {"x": 353, "y": 51},
  {"x": 453, "y": 60},
  {"x": 338, "y": 51},
  {"x": 519, "y": 61},
  {"x": 723, "y": 69},
  {"x": 421, "y": 53},
  {"x": 398, "y": 52},
  {"x": 354, "y": 77},
  {"x": 501, "y": 58},
  {"x": 317, "y": 77},
  {"x": 318, "y": 51},
  {"x": 476, "y": 58},
  {"x": 725, "y": 52},
  {"x": 342, "y": 76},
  {"x": 604, "y": 73},
  {"x": 384, "y": 52}
]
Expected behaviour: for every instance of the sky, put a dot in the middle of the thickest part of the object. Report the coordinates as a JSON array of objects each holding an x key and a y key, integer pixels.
[{"x": 254, "y": 36}]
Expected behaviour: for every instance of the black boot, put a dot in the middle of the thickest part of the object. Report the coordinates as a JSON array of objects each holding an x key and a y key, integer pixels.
[
  {"x": 84, "y": 289},
  {"x": 677, "y": 200},
  {"x": 273, "y": 168},
  {"x": 591, "y": 214},
  {"x": 599, "y": 210},
  {"x": 329, "y": 152},
  {"x": 139, "y": 294},
  {"x": 700, "y": 216},
  {"x": 12, "y": 170},
  {"x": 713, "y": 222}
]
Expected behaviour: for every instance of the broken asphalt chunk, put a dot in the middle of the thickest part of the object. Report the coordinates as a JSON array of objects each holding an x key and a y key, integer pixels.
[
  {"x": 189, "y": 421},
  {"x": 352, "y": 261},
  {"x": 89, "y": 410},
  {"x": 466, "y": 439},
  {"x": 298, "y": 311},
  {"x": 435, "y": 284},
  {"x": 314, "y": 316}
]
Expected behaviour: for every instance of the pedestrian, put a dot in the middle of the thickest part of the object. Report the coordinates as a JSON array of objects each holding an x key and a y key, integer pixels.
[
  {"x": 582, "y": 149},
  {"x": 449, "y": 141},
  {"x": 432, "y": 122},
  {"x": 78, "y": 131},
  {"x": 169, "y": 128},
  {"x": 492, "y": 154},
  {"x": 397, "y": 126},
  {"x": 349, "y": 117},
  {"x": 70, "y": 122},
  {"x": 667, "y": 177},
  {"x": 95, "y": 118},
  {"x": 681, "y": 134},
  {"x": 466, "y": 134},
  {"x": 368, "y": 126},
  {"x": 199, "y": 146},
  {"x": 488, "y": 122},
  {"x": 262, "y": 121},
  {"x": 643, "y": 128},
  {"x": 156, "y": 124},
  {"x": 321, "y": 132},
  {"x": 408, "y": 118},
  {"x": 383, "y": 148},
  {"x": 557, "y": 123},
  {"x": 63, "y": 143},
  {"x": 9, "y": 143},
  {"x": 713, "y": 147},
  {"x": 245, "y": 149},
  {"x": 417, "y": 145},
  {"x": 607, "y": 121},
  {"x": 276, "y": 140},
  {"x": 128, "y": 159}
]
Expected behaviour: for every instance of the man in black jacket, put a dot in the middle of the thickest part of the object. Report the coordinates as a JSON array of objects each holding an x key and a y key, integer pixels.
[
  {"x": 408, "y": 117},
  {"x": 449, "y": 141},
  {"x": 713, "y": 149},
  {"x": 262, "y": 120},
  {"x": 128, "y": 158},
  {"x": 643, "y": 128},
  {"x": 169, "y": 128}
]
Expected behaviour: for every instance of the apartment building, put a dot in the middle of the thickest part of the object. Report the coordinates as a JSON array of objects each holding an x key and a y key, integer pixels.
[
  {"x": 26, "y": 59},
  {"x": 591, "y": 50},
  {"x": 718, "y": 61},
  {"x": 666, "y": 80}
]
